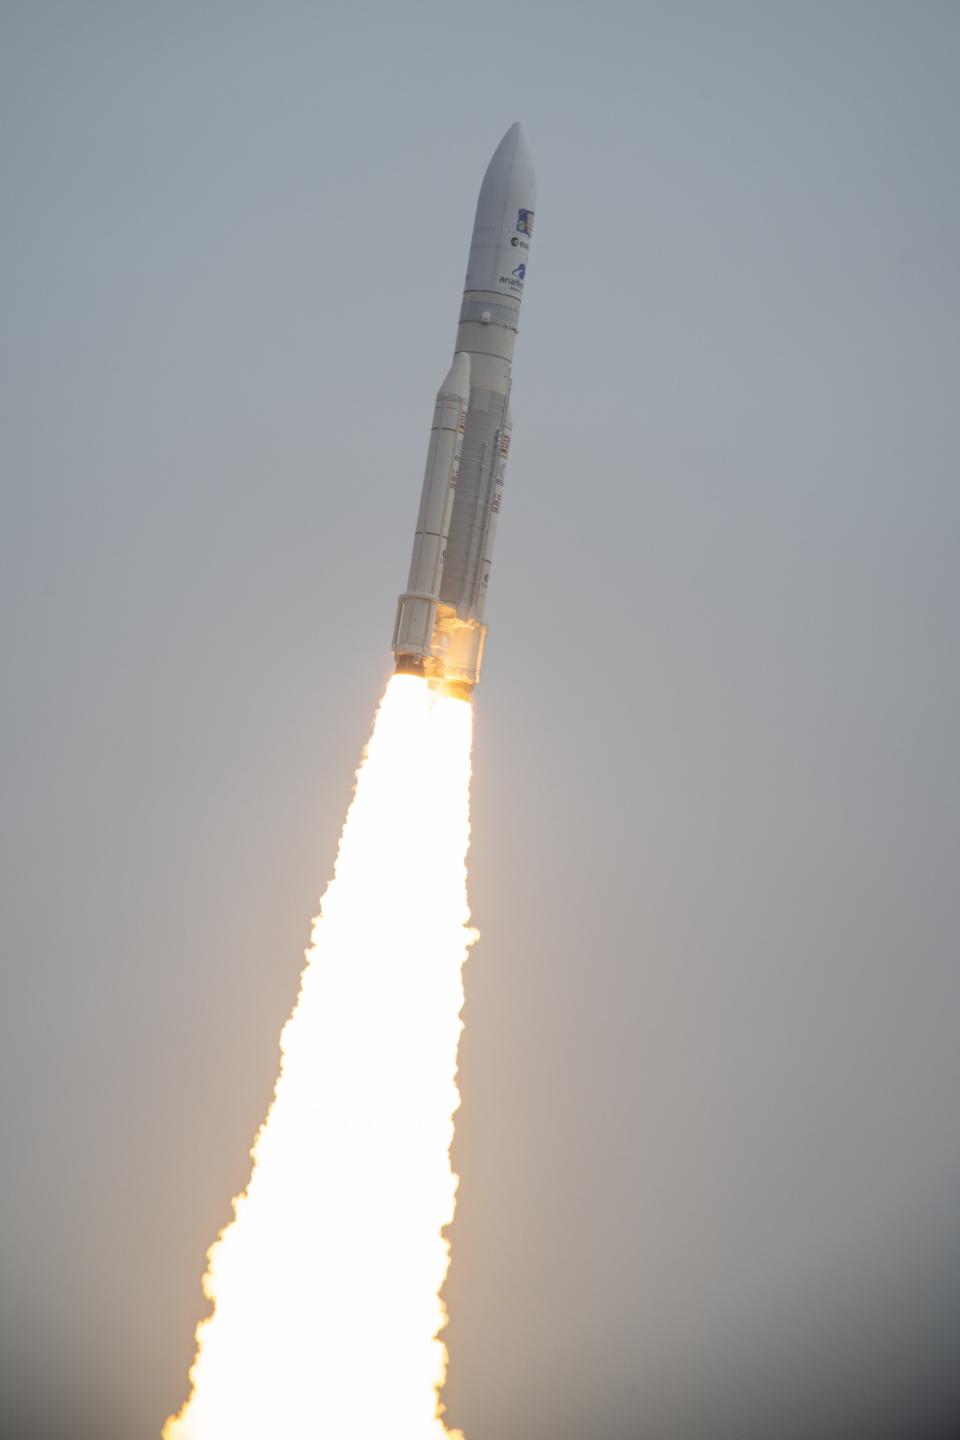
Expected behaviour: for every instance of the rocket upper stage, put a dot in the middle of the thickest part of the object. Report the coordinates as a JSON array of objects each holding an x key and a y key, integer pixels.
[
  {"x": 504, "y": 219},
  {"x": 439, "y": 631}
]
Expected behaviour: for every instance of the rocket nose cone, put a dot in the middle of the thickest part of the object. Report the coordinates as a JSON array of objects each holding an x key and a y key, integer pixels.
[
  {"x": 514, "y": 145},
  {"x": 503, "y": 224},
  {"x": 512, "y": 160}
]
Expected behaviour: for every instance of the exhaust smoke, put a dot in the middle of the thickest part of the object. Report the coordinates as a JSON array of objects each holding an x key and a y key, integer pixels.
[{"x": 326, "y": 1284}]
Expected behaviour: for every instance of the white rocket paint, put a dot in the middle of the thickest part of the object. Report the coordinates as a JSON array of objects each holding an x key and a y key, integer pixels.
[
  {"x": 439, "y": 630},
  {"x": 416, "y": 615}
]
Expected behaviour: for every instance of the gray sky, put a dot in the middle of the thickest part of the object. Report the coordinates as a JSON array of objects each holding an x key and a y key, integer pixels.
[{"x": 709, "y": 1144}]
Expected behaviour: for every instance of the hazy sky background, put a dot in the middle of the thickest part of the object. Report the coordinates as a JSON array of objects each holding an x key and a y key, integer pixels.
[{"x": 710, "y": 1135}]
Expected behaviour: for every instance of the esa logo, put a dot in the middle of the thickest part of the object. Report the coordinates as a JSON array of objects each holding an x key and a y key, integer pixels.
[{"x": 515, "y": 240}]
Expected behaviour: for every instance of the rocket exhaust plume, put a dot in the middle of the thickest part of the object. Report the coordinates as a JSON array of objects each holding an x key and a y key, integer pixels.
[{"x": 326, "y": 1284}]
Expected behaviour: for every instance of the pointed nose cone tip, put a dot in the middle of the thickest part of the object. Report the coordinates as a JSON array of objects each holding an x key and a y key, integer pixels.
[
  {"x": 513, "y": 156},
  {"x": 514, "y": 143}
]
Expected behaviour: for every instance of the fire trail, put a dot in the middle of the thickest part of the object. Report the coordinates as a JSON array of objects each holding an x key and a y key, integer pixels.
[{"x": 326, "y": 1283}]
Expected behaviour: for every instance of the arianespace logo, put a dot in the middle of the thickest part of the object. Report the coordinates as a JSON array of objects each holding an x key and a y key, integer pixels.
[
  {"x": 515, "y": 278},
  {"x": 525, "y": 222}
]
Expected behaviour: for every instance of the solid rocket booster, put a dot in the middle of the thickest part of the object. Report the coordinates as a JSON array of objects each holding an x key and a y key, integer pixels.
[{"x": 440, "y": 631}]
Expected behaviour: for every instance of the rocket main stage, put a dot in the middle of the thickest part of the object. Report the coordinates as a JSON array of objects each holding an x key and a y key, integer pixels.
[{"x": 440, "y": 631}]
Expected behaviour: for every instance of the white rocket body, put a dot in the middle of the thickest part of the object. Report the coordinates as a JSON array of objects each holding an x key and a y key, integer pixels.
[{"x": 440, "y": 631}]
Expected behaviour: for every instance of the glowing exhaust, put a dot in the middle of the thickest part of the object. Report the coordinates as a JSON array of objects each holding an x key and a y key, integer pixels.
[{"x": 326, "y": 1283}]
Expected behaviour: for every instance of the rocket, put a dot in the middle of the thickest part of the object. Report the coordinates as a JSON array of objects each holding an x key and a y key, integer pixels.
[{"x": 440, "y": 630}]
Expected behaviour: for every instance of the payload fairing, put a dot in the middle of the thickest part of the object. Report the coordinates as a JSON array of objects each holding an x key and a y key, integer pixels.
[{"x": 440, "y": 631}]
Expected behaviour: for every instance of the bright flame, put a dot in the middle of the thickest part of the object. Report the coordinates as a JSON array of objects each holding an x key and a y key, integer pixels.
[{"x": 326, "y": 1283}]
